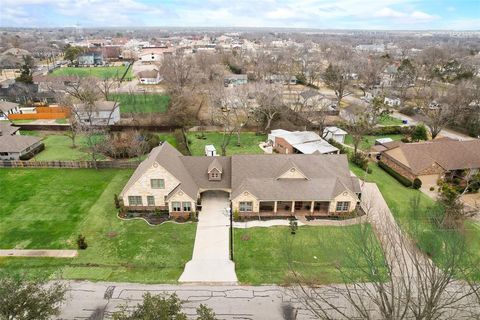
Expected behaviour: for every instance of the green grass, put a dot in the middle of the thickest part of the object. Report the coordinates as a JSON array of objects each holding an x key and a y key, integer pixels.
[
  {"x": 98, "y": 72},
  {"x": 142, "y": 103},
  {"x": 388, "y": 120},
  {"x": 61, "y": 121},
  {"x": 59, "y": 147},
  {"x": 22, "y": 121},
  {"x": 267, "y": 255},
  {"x": 48, "y": 208},
  {"x": 428, "y": 236},
  {"x": 369, "y": 141},
  {"x": 248, "y": 143}
]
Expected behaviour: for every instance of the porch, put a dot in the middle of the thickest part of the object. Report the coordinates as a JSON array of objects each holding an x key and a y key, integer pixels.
[{"x": 293, "y": 208}]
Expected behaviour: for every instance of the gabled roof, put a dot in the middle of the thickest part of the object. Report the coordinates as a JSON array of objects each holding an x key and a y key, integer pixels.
[
  {"x": 334, "y": 130},
  {"x": 447, "y": 153},
  {"x": 17, "y": 143},
  {"x": 215, "y": 164},
  {"x": 288, "y": 167},
  {"x": 7, "y": 129},
  {"x": 6, "y": 106}
]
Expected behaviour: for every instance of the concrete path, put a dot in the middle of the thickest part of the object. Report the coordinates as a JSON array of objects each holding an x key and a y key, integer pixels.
[
  {"x": 301, "y": 221},
  {"x": 39, "y": 253},
  {"x": 210, "y": 262}
]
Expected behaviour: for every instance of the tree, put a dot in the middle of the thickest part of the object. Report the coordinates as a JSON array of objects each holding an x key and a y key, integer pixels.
[
  {"x": 22, "y": 299},
  {"x": 420, "y": 133},
  {"x": 357, "y": 127},
  {"x": 268, "y": 104},
  {"x": 336, "y": 78},
  {"x": 26, "y": 72},
  {"x": 156, "y": 307},
  {"x": 405, "y": 77},
  {"x": 402, "y": 283},
  {"x": 376, "y": 109},
  {"x": 177, "y": 69},
  {"x": 71, "y": 53}
]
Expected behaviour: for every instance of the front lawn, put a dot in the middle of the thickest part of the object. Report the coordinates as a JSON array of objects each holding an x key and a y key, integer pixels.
[
  {"x": 369, "y": 141},
  {"x": 249, "y": 142},
  {"x": 263, "y": 255},
  {"x": 142, "y": 103},
  {"x": 387, "y": 120},
  {"x": 48, "y": 208},
  {"x": 428, "y": 236},
  {"x": 98, "y": 72}
]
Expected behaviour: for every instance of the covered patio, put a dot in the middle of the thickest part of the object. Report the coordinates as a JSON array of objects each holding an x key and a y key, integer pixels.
[{"x": 290, "y": 208}]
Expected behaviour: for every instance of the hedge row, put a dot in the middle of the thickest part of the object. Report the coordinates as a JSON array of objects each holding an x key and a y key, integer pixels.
[
  {"x": 338, "y": 145},
  {"x": 403, "y": 180}
]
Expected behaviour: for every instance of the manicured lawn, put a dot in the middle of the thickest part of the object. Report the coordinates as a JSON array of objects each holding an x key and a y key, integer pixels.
[
  {"x": 388, "y": 120},
  {"x": 48, "y": 208},
  {"x": 263, "y": 255},
  {"x": 59, "y": 147},
  {"x": 428, "y": 236},
  {"x": 369, "y": 141},
  {"x": 98, "y": 72},
  {"x": 61, "y": 121},
  {"x": 142, "y": 103},
  {"x": 22, "y": 121},
  {"x": 248, "y": 143}
]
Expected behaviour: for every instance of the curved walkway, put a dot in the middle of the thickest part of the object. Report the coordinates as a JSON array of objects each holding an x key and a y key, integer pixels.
[{"x": 301, "y": 221}]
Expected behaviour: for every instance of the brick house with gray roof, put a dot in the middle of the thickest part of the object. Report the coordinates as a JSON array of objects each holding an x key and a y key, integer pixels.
[{"x": 256, "y": 185}]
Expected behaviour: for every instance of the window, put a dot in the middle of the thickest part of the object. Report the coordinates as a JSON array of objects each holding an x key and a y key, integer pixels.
[
  {"x": 187, "y": 206},
  {"x": 151, "y": 200},
  {"x": 157, "y": 183},
  {"x": 176, "y": 206},
  {"x": 135, "y": 200},
  {"x": 343, "y": 205},
  {"x": 246, "y": 206}
]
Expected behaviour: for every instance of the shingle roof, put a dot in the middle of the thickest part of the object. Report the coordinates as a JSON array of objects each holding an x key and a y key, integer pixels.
[
  {"x": 449, "y": 154},
  {"x": 100, "y": 105},
  {"x": 215, "y": 164},
  {"x": 6, "y": 128},
  {"x": 16, "y": 143},
  {"x": 6, "y": 105}
]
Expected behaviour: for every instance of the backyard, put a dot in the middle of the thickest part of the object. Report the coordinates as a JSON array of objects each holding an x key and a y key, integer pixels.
[
  {"x": 428, "y": 236},
  {"x": 249, "y": 142},
  {"x": 49, "y": 208},
  {"x": 98, "y": 72},
  {"x": 387, "y": 120},
  {"x": 142, "y": 103},
  {"x": 369, "y": 141},
  {"x": 262, "y": 255}
]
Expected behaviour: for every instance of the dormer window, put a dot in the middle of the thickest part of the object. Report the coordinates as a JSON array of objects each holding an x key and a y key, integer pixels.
[{"x": 215, "y": 171}]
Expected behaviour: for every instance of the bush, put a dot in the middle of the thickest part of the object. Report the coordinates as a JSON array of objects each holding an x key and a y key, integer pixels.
[
  {"x": 181, "y": 142},
  {"x": 236, "y": 215},
  {"x": 117, "y": 201},
  {"x": 419, "y": 133},
  {"x": 381, "y": 131},
  {"x": 417, "y": 183},
  {"x": 432, "y": 188},
  {"x": 193, "y": 216},
  {"x": 360, "y": 159},
  {"x": 81, "y": 242},
  {"x": 339, "y": 146},
  {"x": 403, "y": 180}
]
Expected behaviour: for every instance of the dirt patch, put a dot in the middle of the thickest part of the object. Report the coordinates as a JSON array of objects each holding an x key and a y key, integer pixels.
[
  {"x": 245, "y": 237},
  {"x": 112, "y": 234}
]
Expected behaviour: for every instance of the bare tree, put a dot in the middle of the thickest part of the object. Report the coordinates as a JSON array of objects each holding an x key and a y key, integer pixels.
[
  {"x": 337, "y": 78},
  {"x": 268, "y": 103},
  {"x": 177, "y": 69}
]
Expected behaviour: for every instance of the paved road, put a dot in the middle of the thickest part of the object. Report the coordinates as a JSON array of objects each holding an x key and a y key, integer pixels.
[
  {"x": 228, "y": 302},
  {"x": 210, "y": 262}
]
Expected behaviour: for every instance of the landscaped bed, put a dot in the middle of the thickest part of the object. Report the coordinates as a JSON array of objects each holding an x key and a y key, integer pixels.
[
  {"x": 264, "y": 255},
  {"x": 98, "y": 72},
  {"x": 49, "y": 208},
  {"x": 249, "y": 142}
]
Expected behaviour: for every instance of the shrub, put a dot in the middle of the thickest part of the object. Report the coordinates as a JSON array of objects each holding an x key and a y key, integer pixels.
[
  {"x": 81, "y": 242},
  {"x": 419, "y": 133},
  {"x": 339, "y": 146},
  {"x": 432, "y": 188},
  {"x": 117, "y": 201},
  {"x": 193, "y": 216},
  {"x": 403, "y": 180},
  {"x": 293, "y": 226},
  {"x": 360, "y": 159},
  {"x": 369, "y": 170},
  {"x": 417, "y": 183},
  {"x": 236, "y": 215}
]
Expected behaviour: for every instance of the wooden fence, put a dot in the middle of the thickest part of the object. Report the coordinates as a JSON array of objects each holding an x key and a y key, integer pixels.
[{"x": 103, "y": 164}]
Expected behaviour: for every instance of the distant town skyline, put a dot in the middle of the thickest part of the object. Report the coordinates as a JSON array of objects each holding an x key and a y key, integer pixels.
[{"x": 340, "y": 14}]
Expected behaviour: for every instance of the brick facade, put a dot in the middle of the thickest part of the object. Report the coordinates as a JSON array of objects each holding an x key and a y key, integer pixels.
[
  {"x": 406, "y": 172},
  {"x": 280, "y": 145}
]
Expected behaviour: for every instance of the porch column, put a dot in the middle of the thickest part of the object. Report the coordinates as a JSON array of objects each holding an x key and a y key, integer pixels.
[
  {"x": 275, "y": 206},
  {"x": 311, "y": 206},
  {"x": 293, "y": 206}
]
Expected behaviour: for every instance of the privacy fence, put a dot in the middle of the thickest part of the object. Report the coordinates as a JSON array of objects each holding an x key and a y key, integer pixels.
[{"x": 69, "y": 164}]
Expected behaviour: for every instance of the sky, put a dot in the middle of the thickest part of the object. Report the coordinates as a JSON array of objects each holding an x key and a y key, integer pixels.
[{"x": 322, "y": 14}]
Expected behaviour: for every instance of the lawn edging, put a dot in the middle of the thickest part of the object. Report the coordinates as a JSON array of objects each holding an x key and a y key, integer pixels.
[{"x": 150, "y": 224}]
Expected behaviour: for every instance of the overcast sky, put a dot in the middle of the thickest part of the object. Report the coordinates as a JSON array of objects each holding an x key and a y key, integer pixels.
[{"x": 331, "y": 14}]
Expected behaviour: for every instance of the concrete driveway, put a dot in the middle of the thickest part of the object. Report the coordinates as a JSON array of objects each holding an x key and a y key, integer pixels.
[{"x": 210, "y": 261}]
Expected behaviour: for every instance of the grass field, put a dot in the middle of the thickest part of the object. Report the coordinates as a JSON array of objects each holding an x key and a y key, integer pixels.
[
  {"x": 248, "y": 143},
  {"x": 264, "y": 255},
  {"x": 98, "y": 72},
  {"x": 427, "y": 235},
  {"x": 48, "y": 208},
  {"x": 142, "y": 103},
  {"x": 369, "y": 141},
  {"x": 388, "y": 120}
]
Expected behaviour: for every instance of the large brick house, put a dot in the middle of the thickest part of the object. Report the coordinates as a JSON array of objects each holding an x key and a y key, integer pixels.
[
  {"x": 429, "y": 161},
  {"x": 256, "y": 185}
]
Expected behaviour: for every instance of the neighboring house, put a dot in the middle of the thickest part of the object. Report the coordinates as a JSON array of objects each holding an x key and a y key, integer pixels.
[
  {"x": 256, "y": 185},
  {"x": 429, "y": 161},
  {"x": 334, "y": 133},
  {"x": 313, "y": 98},
  {"x": 101, "y": 113},
  {"x": 282, "y": 79},
  {"x": 388, "y": 75},
  {"x": 13, "y": 146},
  {"x": 7, "y": 108},
  {"x": 235, "y": 80},
  {"x": 395, "y": 102},
  {"x": 306, "y": 142},
  {"x": 149, "y": 77},
  {"x": 90, "y": 59}
]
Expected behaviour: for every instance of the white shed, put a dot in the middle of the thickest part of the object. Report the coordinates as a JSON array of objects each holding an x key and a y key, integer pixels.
[{"x": 210, "y": 150}]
